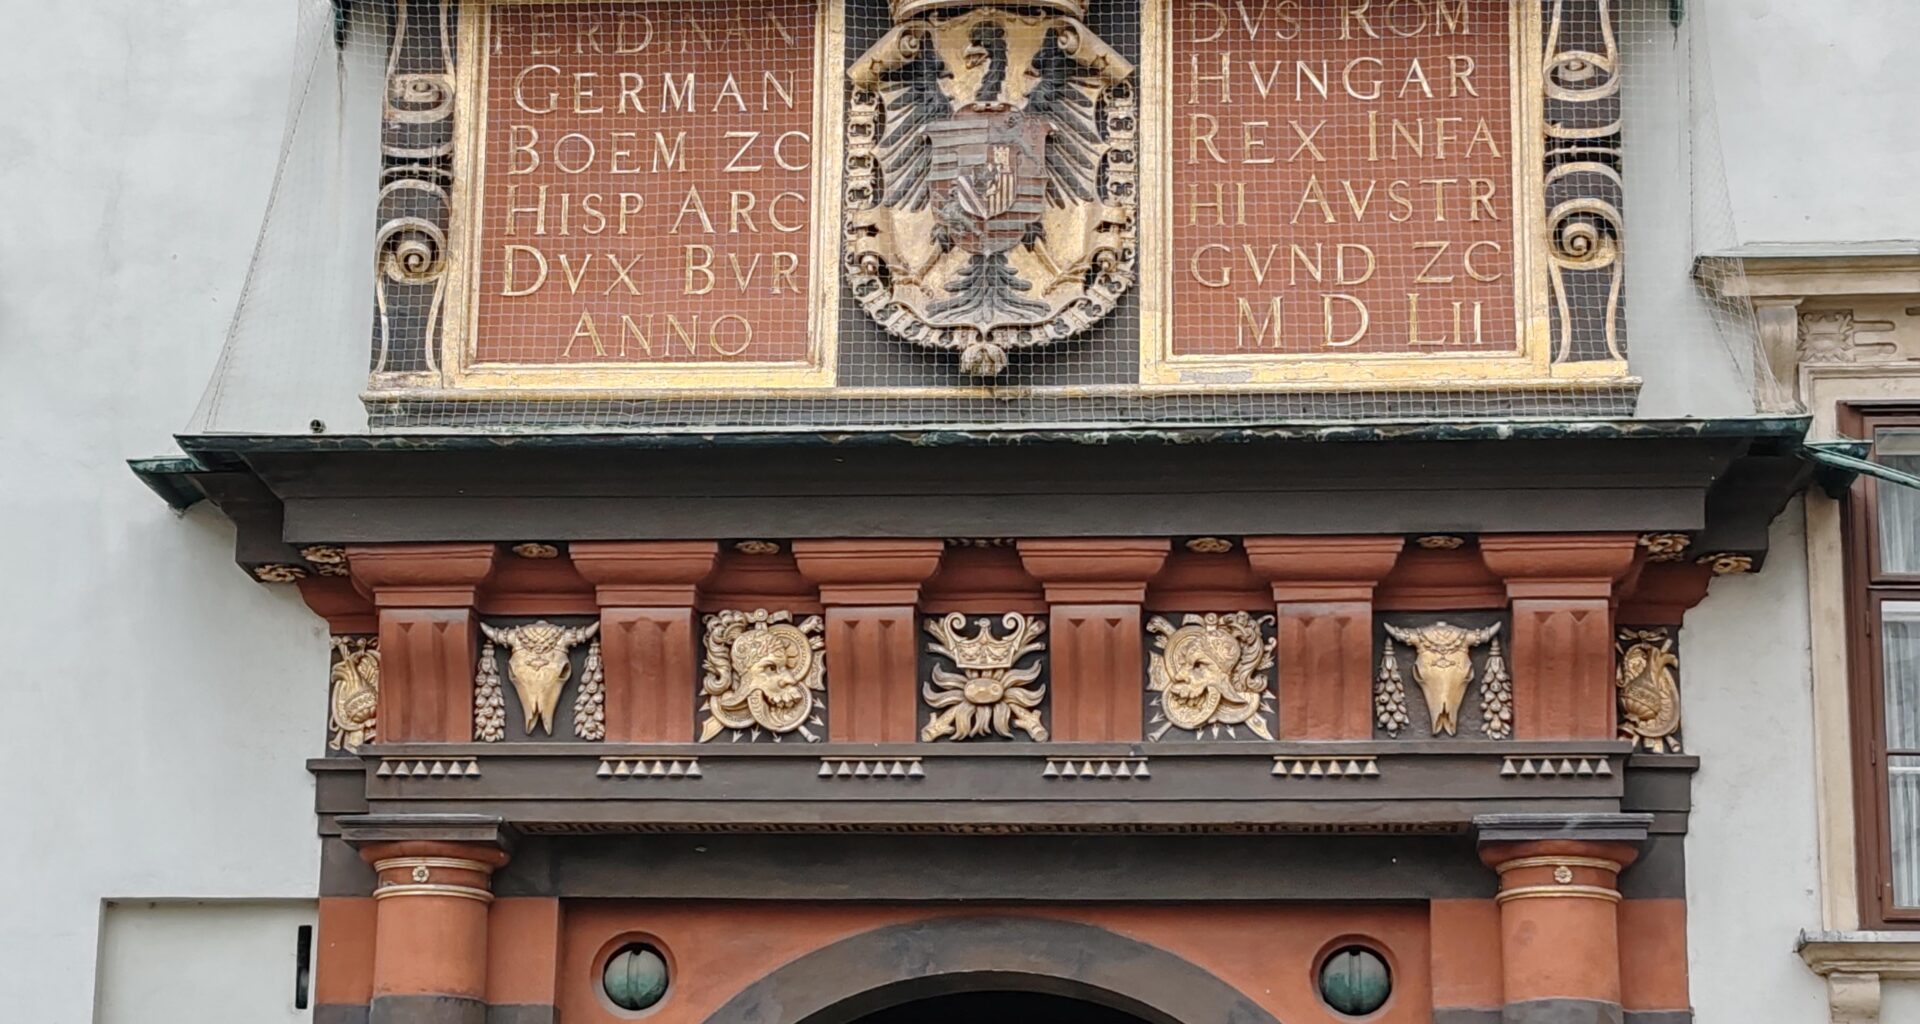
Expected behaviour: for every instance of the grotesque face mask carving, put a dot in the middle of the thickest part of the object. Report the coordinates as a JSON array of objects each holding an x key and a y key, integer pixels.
[
  {"x": 763, "y": 674},
  {"x": 1211, "y": 674},
  {"x": 539, "y": 665}
]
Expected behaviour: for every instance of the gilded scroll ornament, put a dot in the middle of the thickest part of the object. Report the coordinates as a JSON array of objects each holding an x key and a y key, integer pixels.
[
  {"x": 1580, "y": 74},
  {"x": 1649, "y": 689},
  {"x": 763, "y": 674},
  {"x": 1390, "y": 693},
  {"x": 991, "y": 172},
  {"x": 276, "y": 572},
  {"x": 354, "y": 697},
  {"x": 1726, "y": 563},
  {"x": 1212, "y": 673},
  {"x": 326, "y": 559},
  {"x": 489, "y": 700},
  {"x": 590, "y": 703},
  {"x": 538, "y": 664},
  {"x": 416, "y": 185},
  {"x": 989, "y": 694},
  {"x": 536, "y": 550},
  {"x": 1443, "y": 666},
  {"x": 1666, "y": 547}
]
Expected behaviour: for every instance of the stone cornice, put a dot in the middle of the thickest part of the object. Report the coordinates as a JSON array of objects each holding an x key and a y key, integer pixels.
[{"x": 1887, "y": 954}]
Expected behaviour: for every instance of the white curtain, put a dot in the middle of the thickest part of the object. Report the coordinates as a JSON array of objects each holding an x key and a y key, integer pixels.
[
  {"x": 1900, "y": 639},
  {"x": 1899, "y": 506}
]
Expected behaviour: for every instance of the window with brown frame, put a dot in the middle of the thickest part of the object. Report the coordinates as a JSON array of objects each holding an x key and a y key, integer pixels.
[{"x": 1883, "y": 558}]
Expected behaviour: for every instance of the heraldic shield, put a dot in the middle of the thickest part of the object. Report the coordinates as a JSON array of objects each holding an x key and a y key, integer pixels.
[{"x": 991, "y": 182}]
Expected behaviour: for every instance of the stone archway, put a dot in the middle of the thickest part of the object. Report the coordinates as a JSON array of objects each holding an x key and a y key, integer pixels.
[{"x": 841, "y": 983}]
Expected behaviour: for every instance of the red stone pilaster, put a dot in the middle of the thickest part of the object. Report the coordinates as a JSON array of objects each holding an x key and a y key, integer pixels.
[
  {"x": 649, "y": 633},
  {"x": 869, "y": 589},
  {"x": 424, "y": 595},
  {"x": 1663, "y": 593},
  {"x": 1561, "y": 588},
  {"x": 1094, "y": 590},
  {"x": 1323, "y": 599},
  {"x": 1559, "y": 905},
  {"x": 430, "y": 930}
]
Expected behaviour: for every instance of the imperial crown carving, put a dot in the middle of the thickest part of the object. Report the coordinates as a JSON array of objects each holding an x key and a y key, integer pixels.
[{"x": 991, "y": 172}]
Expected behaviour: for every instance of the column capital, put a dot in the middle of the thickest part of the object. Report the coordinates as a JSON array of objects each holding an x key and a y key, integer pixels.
[
  {"x": 644, "y": 574},
  {"x": 1559, "y": 565},
  {"x": 881, "y": 571},
  {"x": 1560, "y": 854},
  {"x": 1498, "y": 829},
  {"x": 469, "y": 831},
  {"x": 1329, "y": 568},
  {"x": 1094, "y": 570},
  {"x": 421, "y": 575}
]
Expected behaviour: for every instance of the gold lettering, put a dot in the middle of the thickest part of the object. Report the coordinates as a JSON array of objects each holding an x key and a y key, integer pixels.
[
  {"x": 1226, "y": 269},
  {"x": 573, "y": 277},
  {"x": 1425, "y": 276},
  {"x": 730, "y": 88},
  {"x": 533, "y": 139},
  {"x": 1193, "y": 145},
  {"x": 1416, "y": 74},
  {"x": 584, "y": 163},
  {"x": 674, "y": 97},
  {"x": 1483, "y": 192},
  {"x": 1218, "y": 205},
  {"x": 1340, "y": 264},
  {"x": 1260, "y": 327},
  {"x": 613, "y": 162},
  {"x": 588, "y": 206},
  {"x": 1314, "y": 195},
  {"x": 773, "y": 213},
  {"x": 1483, "y": 131},
  {"x": 1224, "y": 78},
  {"x": 1297, "y": 258},
  {"x": 699, "y": 262},
  {"x": 1460, "y": 70},
  {"x": 585, "y": 329},
  {"x": 1413, "y": 324},
  {"x": 1356, "y": 12},
  {"x": 1306, "y": 141},
  {"x": 771, "y": 86},
  {"x": 1374, "y": 86},
  {"x": 743, "y": 281},
  {"x": 582, "y": 91},
  {"x": 623, "y": 274},
  {"x": 539, "y": 211},
  {"x": 1359, "y": 204},
  {"x": 630, "y": 203},
  {"x": 1259, "y": 267},
  {"x": 552, "y": 101},
  {"x": 694, "y": 203},
  {"x": 1467, "y": 261},
  {"x": 670, "y": 154},
  {"x": 733, "y": 165},
  {"x": 736, "y": 212},
  {"x": 779, "y": 152},
  {"x": 1326, "y": 314},
  {"x": 1248, "y": 143},
  {"x": 540, "y": 260},
  {"x": 630, "y": 85},
  {"x": 713, "y": 334},
  {"x": 785, "y": 266},
  {"x": 629, "y": 327}
]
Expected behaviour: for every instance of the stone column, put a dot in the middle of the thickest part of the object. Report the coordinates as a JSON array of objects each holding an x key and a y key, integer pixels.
[
  {"x": 869, "y": 589},
  {"x": 424, "y": 596},
  {"x": 435, "y": 883},
  {"x": 1323, "y": 601},
  {"x": 1094, "y": 590},
  {"x": 1561, "y": 589},
  {"x": 649, "y": 632},
  {"x": 1559, "y": 903}
]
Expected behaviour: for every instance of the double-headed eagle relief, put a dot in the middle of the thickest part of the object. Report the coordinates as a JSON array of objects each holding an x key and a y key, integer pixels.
[{"x": 991, "y": 176}]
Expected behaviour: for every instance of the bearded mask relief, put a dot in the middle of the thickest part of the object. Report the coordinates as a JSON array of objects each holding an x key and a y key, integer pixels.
[
  {"x": 1211, "y": 675},
  {"x": 765, "y": 675}
]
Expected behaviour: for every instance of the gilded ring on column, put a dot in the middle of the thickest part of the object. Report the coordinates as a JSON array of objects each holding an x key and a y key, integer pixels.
[{"x": 1578, "y": 892}]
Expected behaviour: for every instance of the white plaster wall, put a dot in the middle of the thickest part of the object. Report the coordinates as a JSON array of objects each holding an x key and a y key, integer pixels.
[
  {"x": 1900, "y": 1002},
  {"x": 147, "y": 683},
  {"x": 1815, "y": 102},
  {"x": 193, "y": 961},
  {"x": 1752, "y": 858}
]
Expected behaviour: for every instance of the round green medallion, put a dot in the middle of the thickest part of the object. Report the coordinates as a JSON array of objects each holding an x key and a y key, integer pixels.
[
  {"x": 1355, "y": 981},
  {"x": 636, "y": 977}
]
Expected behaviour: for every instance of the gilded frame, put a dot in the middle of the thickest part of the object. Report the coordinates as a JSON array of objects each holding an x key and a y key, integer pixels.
[
  {"x": 462, "y": 374},
  {"x": 1532, "y": 365}
]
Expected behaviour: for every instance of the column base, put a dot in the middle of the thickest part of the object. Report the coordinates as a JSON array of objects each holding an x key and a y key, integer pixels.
[
  {"x": 1562, "y": 1011},
  {"x": 427, "y": 1010}
]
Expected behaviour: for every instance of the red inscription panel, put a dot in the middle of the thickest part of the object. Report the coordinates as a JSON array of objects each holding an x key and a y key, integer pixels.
[
  {"x": 1342, "y": 177},
  {"x": 645, "y": 183}
]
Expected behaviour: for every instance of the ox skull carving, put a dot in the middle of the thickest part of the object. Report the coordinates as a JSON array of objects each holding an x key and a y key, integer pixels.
[
  {"x": 539, "y": 666},
  {"x": 1443, "y": 666}
]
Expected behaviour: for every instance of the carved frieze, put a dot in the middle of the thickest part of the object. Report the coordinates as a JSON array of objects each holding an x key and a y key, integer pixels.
[
  {"x": 1649, "y": 688},
  {"x": 993, "y": 693},
  {"x": 1443, "y": 669},
  {"x": 1211, "y": 676},
  {"x": 991, "y": 171},
  {"x": 353, "y": 698},
  {"x": 539, "y": 664},
  {"x": 765, "y": 676}
]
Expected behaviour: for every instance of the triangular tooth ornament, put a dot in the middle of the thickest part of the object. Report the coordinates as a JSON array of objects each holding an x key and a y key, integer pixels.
[
  {"x": 1566, "y": 766},
  {"x": 473, "y": 769},
  {"x": 1299, "y": 770},
  {"x": 1106, "y": 770},
  {"x": 1585, "y": 767},
  {"x": 605, "y": 771},
  {"x": 420, "y": 768},
  {"x": 1606, "y": 768},
  {"x": 1052, "y": 771},
  {"x": 693, "y": 770},
  {"x": 1507, "y": 768},
  {"x": 1527, "y": 769},
  {"x": 914, "y": 771},
  {"x": 622, "y": 769},
  {"x": 1373, "y": 769},
  {"x": 386, "y": 768},
  {"x": 676, "y": 770},
  {"x": 826, "y": 769},
  {"x": 1316, "y": 771},
  {"x": 861, "y": 770},
  {"x": 1353, "y": 767}
]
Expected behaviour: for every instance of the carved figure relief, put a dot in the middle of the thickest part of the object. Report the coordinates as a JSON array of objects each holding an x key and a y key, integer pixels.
[
  {"x": 1212, "y": 674},
  {"x": 990, "y": 693},
  {"x": 538, "y": 664},
  {"x": 764, "y": 674},
  {"x": 1443, "y": 666},
  {"x": 991, "y": 171},
  {"x": 1649, "y": 689},
  {"x": 354, "y": 697}
]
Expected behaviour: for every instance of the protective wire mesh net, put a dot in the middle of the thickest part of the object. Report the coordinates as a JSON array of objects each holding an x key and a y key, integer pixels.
[{"x": 811, "y": 214}]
